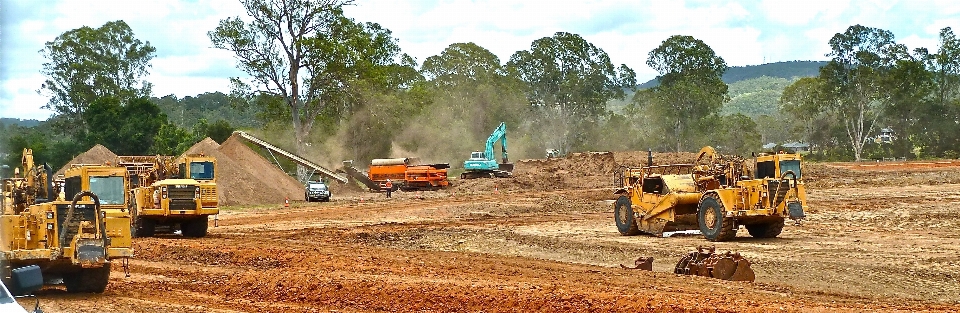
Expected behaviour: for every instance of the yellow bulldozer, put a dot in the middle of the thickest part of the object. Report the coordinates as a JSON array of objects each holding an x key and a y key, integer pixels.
[
  {"x": 169, "y": 194},
  {"x": 75, "y": 240},
  {"x": 715, "y": 195}
]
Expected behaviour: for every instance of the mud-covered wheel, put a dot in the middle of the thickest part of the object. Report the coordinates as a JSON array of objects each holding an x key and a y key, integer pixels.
[
  {"x": 195, "y": 228},
  {"x": 92, "y": 280},
  {"x": 623, "y": 214},
  {"x": 766, "y": 230},
  {"x": 144, "y": 227},
  {"x": 713, "y": 224}
]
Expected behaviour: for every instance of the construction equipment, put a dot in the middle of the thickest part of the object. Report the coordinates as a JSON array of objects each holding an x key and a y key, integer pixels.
[
  {"x": 407, "y": 174},
  {"x": 293, "y": 157},
  {"x": 168, "y": 195},
  {"x": 553, "y": 153},
  {"x": 484, "y": 164},
  {"x": 76, "y": 240},
  {"x": 706, "y": 262},
  {"x": 716, "y": 195}
]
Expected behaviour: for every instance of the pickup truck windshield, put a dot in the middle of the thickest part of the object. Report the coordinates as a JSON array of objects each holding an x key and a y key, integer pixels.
[{"x": 318, "y": 186}]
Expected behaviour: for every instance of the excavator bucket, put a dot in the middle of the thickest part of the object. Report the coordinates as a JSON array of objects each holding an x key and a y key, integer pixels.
[{"x": 706, "y": 262}]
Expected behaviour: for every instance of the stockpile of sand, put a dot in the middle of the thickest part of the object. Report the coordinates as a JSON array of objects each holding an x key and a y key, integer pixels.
[
  {"x": 246, "y": 178},
  {"x": 96, "y": 155}
]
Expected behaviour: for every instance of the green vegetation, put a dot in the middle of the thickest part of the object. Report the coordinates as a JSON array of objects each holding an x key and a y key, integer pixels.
[{"x": 357, "y": 96}]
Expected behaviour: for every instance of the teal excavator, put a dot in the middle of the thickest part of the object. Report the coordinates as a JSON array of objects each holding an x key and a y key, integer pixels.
[{"x": 484, "y": 164}]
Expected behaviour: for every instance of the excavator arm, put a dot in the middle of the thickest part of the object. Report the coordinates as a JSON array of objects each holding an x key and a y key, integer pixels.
[{"x": 499, "y": 134}]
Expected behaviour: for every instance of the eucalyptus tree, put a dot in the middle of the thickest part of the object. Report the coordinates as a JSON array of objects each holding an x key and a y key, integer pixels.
[
  {"x": 309, "y": 59},
  {"x": 86, "y": 64},
  {"x": 691, "y": 90}
]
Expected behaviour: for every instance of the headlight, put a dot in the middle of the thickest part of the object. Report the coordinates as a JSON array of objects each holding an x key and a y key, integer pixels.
[{"x": 49, "y": 215}]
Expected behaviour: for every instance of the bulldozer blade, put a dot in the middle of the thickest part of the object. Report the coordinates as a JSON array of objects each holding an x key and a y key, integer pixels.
[{"x": 642, "y": 263}]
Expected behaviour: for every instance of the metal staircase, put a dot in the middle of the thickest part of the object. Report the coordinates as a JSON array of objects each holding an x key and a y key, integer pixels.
[{"x": 291, "y": 156}]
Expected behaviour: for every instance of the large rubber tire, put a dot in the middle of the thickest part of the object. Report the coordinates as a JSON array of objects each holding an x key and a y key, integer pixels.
[
  {"x": 767, "y": 230},
  {"x": 195, "y": 228},
  {"x": 713, "y": 224},
  {"x": 143, "y": 227},
  {"x": 623, "y": 215},
  {"x": 93, "y": 280}
]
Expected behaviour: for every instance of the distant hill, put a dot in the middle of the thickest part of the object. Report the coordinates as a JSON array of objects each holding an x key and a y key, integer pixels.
[
  {"x": 756, "y": 96},
  {"x": 17, "y": 121},
  {"x": 786, "y": 70}
]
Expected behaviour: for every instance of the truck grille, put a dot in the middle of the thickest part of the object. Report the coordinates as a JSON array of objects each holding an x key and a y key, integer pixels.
[
  {"x": 208, "y": 194},
  {"x": 187, "y": 192},
  {"x": 183, "y": 204}
]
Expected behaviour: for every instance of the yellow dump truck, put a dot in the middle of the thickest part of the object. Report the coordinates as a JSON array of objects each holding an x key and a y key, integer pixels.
[
  {"x": 76, "y": 240},
  {"x": 172, "y": 195},
  {"x": 716, "y": 195}
]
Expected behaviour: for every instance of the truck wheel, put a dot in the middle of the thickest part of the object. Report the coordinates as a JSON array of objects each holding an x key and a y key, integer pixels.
[
  {"x": 92, "y": 280},
  {"x": 766, "y": 230},
  {"x": 195, "y": 228},
  {"x": 144, "y": 227},
  {"x": 623, "y": 215},
  {"x": 713, "y": 225}
]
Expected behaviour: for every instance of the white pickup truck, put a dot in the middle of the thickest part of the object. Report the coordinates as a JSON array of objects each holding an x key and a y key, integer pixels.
[{"x": 24, "y": 281}]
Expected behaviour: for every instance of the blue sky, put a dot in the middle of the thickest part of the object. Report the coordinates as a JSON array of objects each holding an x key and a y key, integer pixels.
[{"x": 742, "y": 32}]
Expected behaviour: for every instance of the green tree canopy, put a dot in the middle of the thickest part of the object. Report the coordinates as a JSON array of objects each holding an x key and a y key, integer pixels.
[
  {"x": 690, "y": 90},
  {"x": 311, "y": 57},
  {"x": 862, "y": 58},
  {"x": 85, "y": 64},
  {"x": 570, "y": 81}
]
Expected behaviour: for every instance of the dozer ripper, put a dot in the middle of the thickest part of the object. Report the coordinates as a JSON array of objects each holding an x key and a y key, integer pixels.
[
  {"x": 716, "y": 195},
  {"x": 76, "y": 240},
  {"x": 484, "y": 164},
  {"x": 167, "y": 195}
]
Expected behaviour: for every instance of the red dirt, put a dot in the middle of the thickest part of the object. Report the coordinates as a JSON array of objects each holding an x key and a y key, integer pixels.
[{"x": 875, "y": 240}]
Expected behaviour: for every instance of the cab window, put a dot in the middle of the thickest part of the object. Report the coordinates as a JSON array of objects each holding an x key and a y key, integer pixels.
[
  {"x": 201, "y": 170},
  {"x": 109, "y": 189},
  {"x": 790, "y": 165}
]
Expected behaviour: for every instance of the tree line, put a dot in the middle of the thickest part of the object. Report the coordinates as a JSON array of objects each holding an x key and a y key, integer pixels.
[{"x": 332, "y": 88}]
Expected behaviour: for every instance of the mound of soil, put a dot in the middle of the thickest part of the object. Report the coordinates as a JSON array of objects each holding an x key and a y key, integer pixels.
[
  {"x": 585, "y": 171},
  {"x": 96, "y": 155},
  {"x": 246, "y": 178}
]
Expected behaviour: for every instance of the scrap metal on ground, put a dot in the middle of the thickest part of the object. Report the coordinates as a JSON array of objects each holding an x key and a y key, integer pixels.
[{"x": 706, "y": 262}]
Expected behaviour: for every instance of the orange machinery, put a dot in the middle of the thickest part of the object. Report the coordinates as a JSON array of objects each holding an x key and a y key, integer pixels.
[{"x": 409, "y": 174}]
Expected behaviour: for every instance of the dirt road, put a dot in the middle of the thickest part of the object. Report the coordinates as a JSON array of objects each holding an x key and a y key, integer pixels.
[{"x": 890, "y": 244}]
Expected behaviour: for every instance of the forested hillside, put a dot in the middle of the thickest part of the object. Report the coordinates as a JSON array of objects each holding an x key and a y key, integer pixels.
[{"x": 787, "y": 70}]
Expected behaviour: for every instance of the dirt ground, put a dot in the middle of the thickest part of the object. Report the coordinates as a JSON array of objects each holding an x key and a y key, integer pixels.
[{"x": 877, "y": 238}]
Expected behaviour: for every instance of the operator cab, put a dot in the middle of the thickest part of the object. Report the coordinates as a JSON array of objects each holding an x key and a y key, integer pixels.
[
  {"x": 477, "y": 155},
  {"x": 199, "y": 170},
  {"x": 769, "y": 169}
]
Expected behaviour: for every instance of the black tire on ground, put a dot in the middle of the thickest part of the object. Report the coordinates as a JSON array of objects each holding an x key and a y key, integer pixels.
[
  {"x": 195, "y": 228},
  {"x": 306, "y": 196},
  {"x": 713, "y": 224},
  {"x": 143, "y": 227},
  {"x": 92, "y": 280},
  {"x": 623, "y": 215},
  {"x": 766, "y": 230},
  {"x": 326, "y": 200}
]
